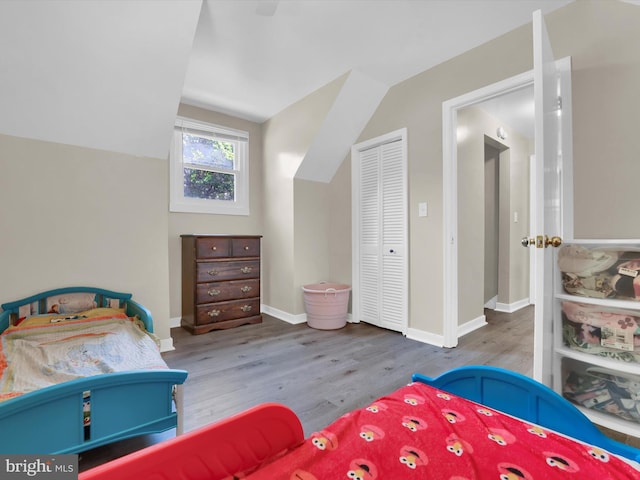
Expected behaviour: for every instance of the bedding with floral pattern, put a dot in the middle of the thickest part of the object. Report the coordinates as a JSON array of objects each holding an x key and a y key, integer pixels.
[{"x": 44, "y": 350}]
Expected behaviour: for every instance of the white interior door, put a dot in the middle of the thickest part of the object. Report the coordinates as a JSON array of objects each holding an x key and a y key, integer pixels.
[
  {"x": 553, "y": 174},
  {"x": 380, "y": 232}
]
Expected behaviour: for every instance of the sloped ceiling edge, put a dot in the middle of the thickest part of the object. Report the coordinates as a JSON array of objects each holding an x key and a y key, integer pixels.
[{"x": 103, "y": 75}]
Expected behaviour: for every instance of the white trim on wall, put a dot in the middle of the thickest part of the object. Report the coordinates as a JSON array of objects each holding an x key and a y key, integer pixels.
[
  {"x": 284, "y": 316},
  {"x": 291, "y": 318},
  {"x": 472, "y": 325},
  {"x": 450, "y": 109},
  {"x": 397, "y": 318},
  {"x": 166, "y": 344},
  {"x": 174, "y": 322},
  {"x": 512, "y": 307},
  {"x": 438, "y": 340}
]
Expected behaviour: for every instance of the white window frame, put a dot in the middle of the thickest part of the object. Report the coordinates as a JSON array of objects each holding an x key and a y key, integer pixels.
[{"x": 178, "y": 202}]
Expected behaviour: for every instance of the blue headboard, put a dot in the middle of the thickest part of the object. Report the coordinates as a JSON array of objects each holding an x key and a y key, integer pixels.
[
  {"x": 523, "y": 397},
  {"x": 103, "y": 298}
]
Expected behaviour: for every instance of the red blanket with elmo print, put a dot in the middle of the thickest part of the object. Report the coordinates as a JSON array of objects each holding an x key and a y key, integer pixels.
[{"x": 419, "y": 432}]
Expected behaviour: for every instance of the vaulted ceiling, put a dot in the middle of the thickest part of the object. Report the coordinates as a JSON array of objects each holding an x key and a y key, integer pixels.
[
  {"x": 110, "y": 74},
  {"x": 252, "y": 59},
  {"x": 101, "y": 74}
]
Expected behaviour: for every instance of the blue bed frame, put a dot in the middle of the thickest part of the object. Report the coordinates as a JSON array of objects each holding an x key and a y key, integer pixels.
[
  {"x": 523, "y": 397},
  {"x": 123, "y": 404}
]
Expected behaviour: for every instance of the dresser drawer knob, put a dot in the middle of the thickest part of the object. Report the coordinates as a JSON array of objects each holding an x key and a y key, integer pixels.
[
  {"x": 246, "y": 289},
  {"x": 246, "y": 247},
  {"x": 213, "y": 313},
  {"x": 246, "y": 269},
  {"x": 246, "y": 308},
  {"x": 214, "y": 248},
  {"x": 213, "y": 292},
  {"x": 213, "y": 273}
]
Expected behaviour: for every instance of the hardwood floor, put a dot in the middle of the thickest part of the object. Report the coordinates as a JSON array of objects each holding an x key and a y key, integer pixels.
[
  {"x": 320, "y": 374},
  {"x": 323, "y": 374}
]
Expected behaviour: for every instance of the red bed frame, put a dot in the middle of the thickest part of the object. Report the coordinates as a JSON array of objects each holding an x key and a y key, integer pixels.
[
  {"x": 247, "y": 441},
  {"x": 213, "y": 452}
]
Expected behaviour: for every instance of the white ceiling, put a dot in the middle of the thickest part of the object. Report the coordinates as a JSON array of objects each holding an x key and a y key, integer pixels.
[
  {"x": 109, "y": 74},
  {"x": 253, "y": 58},
  {"x": 101, "y": 74},
  {"x": 515, "y": 109}
]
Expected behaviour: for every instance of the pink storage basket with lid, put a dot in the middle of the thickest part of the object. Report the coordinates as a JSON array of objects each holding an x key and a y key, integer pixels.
[{"x": 326, "y": 305}]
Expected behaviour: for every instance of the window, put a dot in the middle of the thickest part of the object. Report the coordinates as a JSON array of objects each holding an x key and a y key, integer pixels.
[{"x": 209, "y": 169}]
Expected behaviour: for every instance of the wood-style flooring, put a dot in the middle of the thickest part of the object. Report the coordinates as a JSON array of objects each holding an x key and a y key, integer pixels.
[{"x": 319, "y": 374}]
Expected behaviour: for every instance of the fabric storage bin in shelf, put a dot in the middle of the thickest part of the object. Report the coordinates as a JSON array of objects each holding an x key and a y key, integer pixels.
[
  {"x": 602, "y": 389},
  {"x": 600, "y": 272},
  {"x": 603, "y": 331}
]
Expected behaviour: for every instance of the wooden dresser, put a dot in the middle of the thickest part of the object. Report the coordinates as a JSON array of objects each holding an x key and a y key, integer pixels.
[{"x": 220, "y": 281}]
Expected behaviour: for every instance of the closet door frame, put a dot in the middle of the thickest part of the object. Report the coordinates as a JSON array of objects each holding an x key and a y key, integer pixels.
[{"x": 356, "y": 151}]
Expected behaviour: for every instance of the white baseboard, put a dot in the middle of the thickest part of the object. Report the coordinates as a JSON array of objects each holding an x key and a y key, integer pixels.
[
  {"x": 491, "y": 303},
  {"x": 166, "y": 344},
  {"x": 174, "y": 322},
  {"x": 512, "y": 307},
  {"x": 284, "y": 316},
  {"x": 425, "y": 337},
  {"x": 471, "y": 325},
  {"x": 438, "y": 340},
  {"x": 291, "y": 318}
]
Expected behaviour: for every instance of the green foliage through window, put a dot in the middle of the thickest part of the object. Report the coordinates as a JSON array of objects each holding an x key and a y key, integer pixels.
[
  {"x": 208, "y": 185},
  {"x": 207, "y": 161},
  {"x": 209, "y": 169}
]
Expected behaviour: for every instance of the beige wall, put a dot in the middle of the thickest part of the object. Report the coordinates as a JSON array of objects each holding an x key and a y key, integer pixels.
[
  {"x": 287, "y": 137},
  {"x": 311, "y": 235},
  {"x": 111, "y": 210},
  {"x": 185, "y": 223},
  {"x": 513, "y": 281},
  {"x": 491, "y": 222},
  {"x": 602, "y": 39},
  {"x": 76, "y": 216},
  {"x": 106, "y": 219},
  {"x": 339, "y": 220},
  {"x": 417, "y": 105}
]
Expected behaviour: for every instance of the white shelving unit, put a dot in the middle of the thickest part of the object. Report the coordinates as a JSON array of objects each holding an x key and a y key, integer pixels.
[{"x": 564, "y": 354}]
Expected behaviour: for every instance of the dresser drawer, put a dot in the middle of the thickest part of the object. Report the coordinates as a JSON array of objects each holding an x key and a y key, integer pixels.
[
  {"x": 220, "y": 281},
  {"x": 212, "y": 247},
  {"x": 221, "y": 291},
  {"x": 223, "y": 311},
  {"x": 245, "y": 247},
  {"x": 215, "y": 271}
]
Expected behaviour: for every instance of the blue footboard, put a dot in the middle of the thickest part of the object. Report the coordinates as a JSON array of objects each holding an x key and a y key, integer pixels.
[
  {"x": 123, "y": 405},
  {"x": 523, "y": 397}
]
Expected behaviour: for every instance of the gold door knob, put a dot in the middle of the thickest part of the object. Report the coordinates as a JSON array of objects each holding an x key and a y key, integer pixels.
[
  {"x": 527, "y": 242},
  {"x": 541, "y": 242},
  {"x": 553, "y": 241}
]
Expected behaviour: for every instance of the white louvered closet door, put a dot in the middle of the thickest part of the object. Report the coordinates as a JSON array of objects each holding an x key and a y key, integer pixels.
[
  {"x": 368, "y": 289},
  {"x": 380, "y": 295}
]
